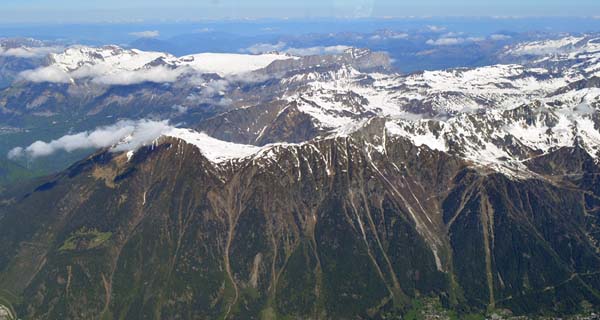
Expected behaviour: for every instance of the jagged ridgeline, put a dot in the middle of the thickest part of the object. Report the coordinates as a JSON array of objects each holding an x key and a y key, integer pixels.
[
  {"x": 328, "y": 229},
  {"x": 338, "y": 194}
]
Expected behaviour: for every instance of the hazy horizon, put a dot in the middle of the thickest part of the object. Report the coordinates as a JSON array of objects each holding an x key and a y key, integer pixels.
[{"x": 70, "y": 11}]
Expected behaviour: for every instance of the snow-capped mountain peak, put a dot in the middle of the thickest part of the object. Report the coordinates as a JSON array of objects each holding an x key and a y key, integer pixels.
[{"x": 116, "y": 65}]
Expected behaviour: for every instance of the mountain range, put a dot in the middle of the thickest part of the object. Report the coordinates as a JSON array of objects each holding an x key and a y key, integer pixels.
[{"x": 308, "y": 187}]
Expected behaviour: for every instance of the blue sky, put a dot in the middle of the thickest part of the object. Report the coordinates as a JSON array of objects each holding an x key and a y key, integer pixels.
[{"x": 172, "y": 10}]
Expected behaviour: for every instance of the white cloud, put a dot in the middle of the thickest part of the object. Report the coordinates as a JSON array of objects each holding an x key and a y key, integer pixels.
[
  {"x": 251, "y": 77},
  {"x": 450, "y": 41},
  {"x": 282, "y": 47},
  {"x": 317, "y": 50},
  {"x": 16, "y": 153},
  {"x": 385, "y": 35},
  {"x": 146, "y": 34},
  {"x": 445, "y": 41},
  {"x": 426, "y": 52},
  {"x": 90, "y": 71},
  {"x": 215, "y": 87},
  {"x": 216, "y": 100},
  {"x": 159, "y": 74},
  {"x": 46, "y": 74},
  {"x": 452, "y": 34},
  {"x": 399, "y": 35},
  {"x": 121, "y": 136},
  {"x": 499, "y": 37},
  {"x": 29, "y": 52},
  {"x": 104, "y": 74},
  {"x": 475, "y": 39},
  {"x": 144, "y": 132},
  {"x": 436, "y": 28},
  {"x": 212, "y": 92},
  {"x": 180, "y": 109},
  {"x": 266, "y": 47}
]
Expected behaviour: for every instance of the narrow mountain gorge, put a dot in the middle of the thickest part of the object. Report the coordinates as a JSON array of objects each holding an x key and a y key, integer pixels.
[{"x": 329, "y": 188}]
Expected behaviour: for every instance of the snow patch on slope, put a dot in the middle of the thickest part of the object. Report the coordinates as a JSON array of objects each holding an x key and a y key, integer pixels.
[
  {"x": 419, "y": 135},
  {"x": 215, "y": 150},
  {"x": 545, "y": 47},
  {"x": 503, "y": 140}
]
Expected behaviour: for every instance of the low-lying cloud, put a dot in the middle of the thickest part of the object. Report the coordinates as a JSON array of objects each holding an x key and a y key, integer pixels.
[
  {"x": 29, "y": 52},
  {"x": 432, "y": 28},
  {"x": 445, "y": 41},
  {"x": 500, "y": 37},
  {"x": 46, "y": 74},
  {"x": 146, "y": 34},
  {"x": 104, "y": 74},
  {"x": 283, "y": 47},
  {"x": 266, "y": 47},
  {"x": 211, "y": 92},
  {"x": 311, "y": 51},
  {"x": 121, "y": 136},
  {"x": 452, "y": 38},
  {"x": 158, "y": 74}
]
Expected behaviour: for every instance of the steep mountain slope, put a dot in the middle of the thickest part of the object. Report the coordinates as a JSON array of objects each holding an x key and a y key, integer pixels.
[{"x": 343, "y": 227}]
